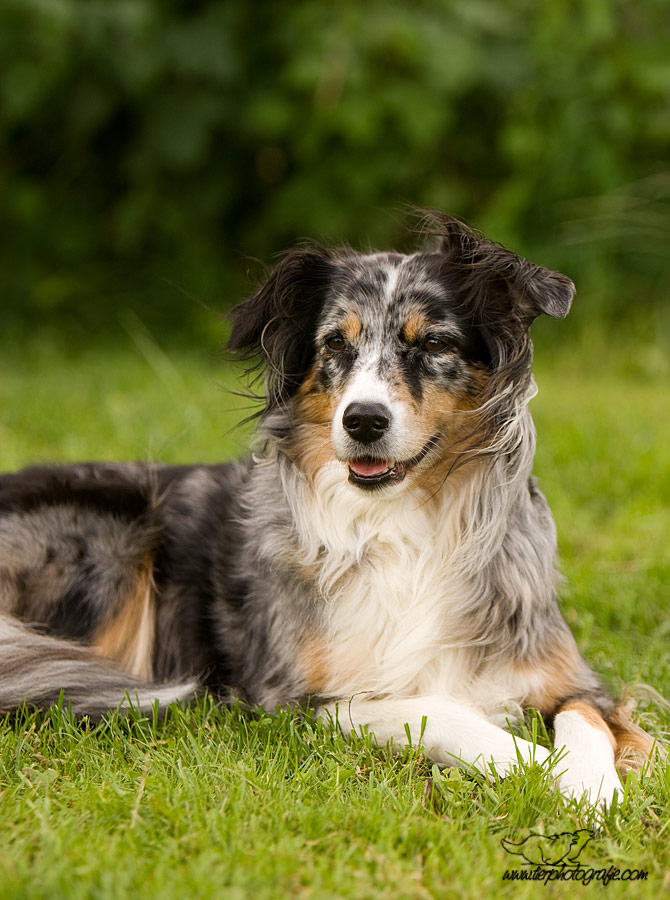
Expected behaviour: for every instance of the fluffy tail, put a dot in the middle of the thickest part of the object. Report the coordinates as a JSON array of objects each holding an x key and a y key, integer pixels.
[{"x": 35, "y": 668}]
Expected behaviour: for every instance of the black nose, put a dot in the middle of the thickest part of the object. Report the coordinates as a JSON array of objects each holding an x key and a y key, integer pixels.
[{"x": 366, "y": 422}]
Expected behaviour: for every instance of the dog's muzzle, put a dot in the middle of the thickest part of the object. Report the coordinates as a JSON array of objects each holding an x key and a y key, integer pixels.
[{"x": 366, "y": 423}]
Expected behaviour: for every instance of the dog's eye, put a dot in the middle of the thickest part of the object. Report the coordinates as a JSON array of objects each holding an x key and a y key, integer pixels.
[
  {"x": 433, "y": 345},
  {"x": 336, "y": 343}
]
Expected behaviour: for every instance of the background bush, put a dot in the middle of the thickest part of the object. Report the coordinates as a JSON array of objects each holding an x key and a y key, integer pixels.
[{"x": 150, "y": 147}]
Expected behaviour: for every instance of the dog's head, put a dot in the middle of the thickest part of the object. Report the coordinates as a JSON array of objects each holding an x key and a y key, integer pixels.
[{"x": 390, "y": 363}]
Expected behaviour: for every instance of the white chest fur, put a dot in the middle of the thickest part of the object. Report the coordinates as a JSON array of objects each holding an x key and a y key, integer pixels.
[{"x": 390, "y": 588}]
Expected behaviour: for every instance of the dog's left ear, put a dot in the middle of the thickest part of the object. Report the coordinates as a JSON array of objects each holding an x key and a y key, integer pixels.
[
  {"x": 277, "y": 324},
  {"x": 497, "y": 279}
]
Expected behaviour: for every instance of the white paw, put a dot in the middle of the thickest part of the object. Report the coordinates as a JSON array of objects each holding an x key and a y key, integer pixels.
[
  {"x": 597, "y": 785},
  {"x": 585, "y": 760}
]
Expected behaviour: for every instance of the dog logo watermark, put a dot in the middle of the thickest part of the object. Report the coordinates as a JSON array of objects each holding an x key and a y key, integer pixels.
[
  {"x": 558, "y": 857},
  {"x": 551, "y": 849}
]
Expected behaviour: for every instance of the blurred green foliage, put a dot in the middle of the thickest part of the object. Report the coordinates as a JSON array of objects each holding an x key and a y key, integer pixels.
[{"x": 149, "y": 147}]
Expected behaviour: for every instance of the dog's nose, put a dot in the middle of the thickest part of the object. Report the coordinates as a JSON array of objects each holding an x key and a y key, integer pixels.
[{"x": 366, "y": 422}]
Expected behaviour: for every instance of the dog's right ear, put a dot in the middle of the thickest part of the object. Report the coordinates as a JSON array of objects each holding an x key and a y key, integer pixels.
[{"x": 277, "y": 324}]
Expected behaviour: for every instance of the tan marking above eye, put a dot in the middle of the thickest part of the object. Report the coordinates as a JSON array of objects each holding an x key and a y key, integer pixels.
[
  {"x": 415, "y": 327},
  {"x": 350, "y": 328}
]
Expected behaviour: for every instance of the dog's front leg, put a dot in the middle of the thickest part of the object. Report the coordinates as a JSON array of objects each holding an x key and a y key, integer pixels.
[
  {"x": 586, "y": 766},
  {"x": 450, "y": 733}
]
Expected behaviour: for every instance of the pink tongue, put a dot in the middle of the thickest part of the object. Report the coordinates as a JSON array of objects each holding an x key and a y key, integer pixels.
[{"x": 368, "y": 467}]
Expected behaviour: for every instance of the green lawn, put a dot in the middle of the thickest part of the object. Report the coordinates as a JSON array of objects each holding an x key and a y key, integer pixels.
[{"x": 218, "y": 803}]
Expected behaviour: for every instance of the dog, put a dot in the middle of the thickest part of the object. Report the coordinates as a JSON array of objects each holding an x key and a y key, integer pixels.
[{"x": 384, "y": 559}]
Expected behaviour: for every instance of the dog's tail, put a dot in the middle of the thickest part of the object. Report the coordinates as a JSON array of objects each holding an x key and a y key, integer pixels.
[{"x": 36, "y": 669}]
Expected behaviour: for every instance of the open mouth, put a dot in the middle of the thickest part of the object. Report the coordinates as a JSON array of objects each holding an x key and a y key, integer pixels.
[{"x": 367, "y": 472}]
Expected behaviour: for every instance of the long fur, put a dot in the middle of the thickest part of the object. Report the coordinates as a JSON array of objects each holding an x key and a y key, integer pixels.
[{"x": 384, "y": 557}]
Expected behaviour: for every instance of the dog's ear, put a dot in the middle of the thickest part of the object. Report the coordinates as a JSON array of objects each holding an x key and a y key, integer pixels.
[
  {"x": 277, "y": 324},
  {"x": 498, "y": 281},
  {"x": 544, "y": 291}
]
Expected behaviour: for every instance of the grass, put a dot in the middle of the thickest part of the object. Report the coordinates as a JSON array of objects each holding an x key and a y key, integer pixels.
[{"x": 221, "y": 803}]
